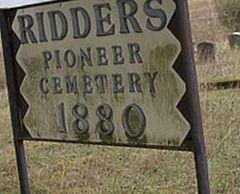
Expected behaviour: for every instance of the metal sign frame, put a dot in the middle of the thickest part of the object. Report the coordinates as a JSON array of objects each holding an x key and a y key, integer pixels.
[{"x": 189, "y": 106}]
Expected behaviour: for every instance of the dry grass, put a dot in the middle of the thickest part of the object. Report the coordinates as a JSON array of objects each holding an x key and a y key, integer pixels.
[
  {"x": 225, "y": 68},
  {"x": 229, "y": 13},
  {"x": 204, "y": 22},
  {"x": 206, "y": 27},
  {"x": 66, "y": 168}
]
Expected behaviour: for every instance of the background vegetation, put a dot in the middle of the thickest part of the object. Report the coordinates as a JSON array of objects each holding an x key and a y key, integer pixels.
[
  {"x": 66, "y": 168},
  {"x": 229, "y": 14}
]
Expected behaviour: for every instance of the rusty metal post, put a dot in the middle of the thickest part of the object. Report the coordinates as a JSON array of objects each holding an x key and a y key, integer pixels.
[
  {"x": 9, "y": 67},
  {"x": 193, "y": 95}
]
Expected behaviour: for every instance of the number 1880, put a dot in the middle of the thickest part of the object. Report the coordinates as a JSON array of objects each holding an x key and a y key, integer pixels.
[{"x": 133, "y": 120}]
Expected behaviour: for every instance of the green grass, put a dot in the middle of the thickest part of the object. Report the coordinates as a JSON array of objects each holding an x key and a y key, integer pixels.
[{"x": 67, "y": 168}]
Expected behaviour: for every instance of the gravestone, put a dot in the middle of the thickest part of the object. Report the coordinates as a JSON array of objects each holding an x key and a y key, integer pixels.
[
  {"x": 234, "y": 40},
  {"x": 206, "y": 52}
]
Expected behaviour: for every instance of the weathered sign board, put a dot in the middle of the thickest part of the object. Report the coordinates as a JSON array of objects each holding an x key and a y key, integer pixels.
[{"x": 103, "y": 72}]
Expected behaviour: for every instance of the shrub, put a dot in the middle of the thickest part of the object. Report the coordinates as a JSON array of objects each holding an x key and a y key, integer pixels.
[{"x": 229, "y": 14}]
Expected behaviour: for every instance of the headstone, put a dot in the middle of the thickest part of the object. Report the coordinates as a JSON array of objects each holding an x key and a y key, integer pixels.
[
  {"x": 234, "y": 40},
  {"x": 206, "y": 52}
]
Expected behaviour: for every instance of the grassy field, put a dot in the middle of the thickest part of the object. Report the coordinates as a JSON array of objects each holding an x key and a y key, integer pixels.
[
  {"x": 62, "y": 168},
  {"x": 66, "y": 168}
]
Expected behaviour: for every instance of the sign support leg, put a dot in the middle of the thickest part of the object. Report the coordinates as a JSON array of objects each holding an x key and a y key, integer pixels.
[
  {"x": 201, "y": 167},
  {"x": 194, "y": 115},
  {"x": 12, "y": 93},
  {"x": 22, "y": 167}
]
